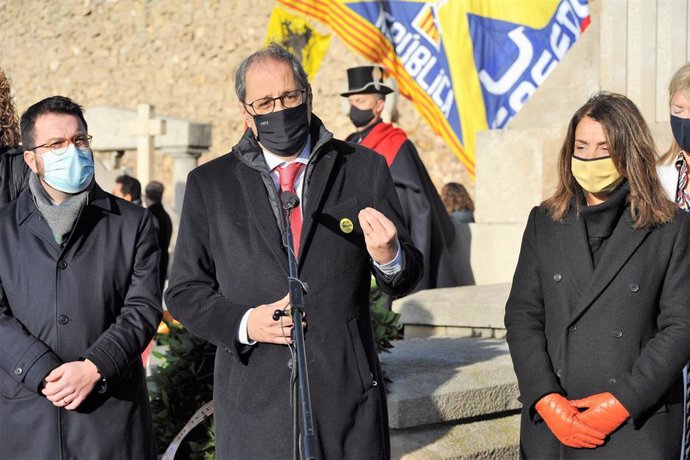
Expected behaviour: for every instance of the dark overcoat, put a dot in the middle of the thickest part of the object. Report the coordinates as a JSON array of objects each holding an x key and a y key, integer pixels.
[
  {"x": 164, "y": 229},
  {"x": 229, "y": 258},
  {"x": 14, "y": 173},
  {"x": 96, "y": 298},
  {"x": 622, "y": 327}
]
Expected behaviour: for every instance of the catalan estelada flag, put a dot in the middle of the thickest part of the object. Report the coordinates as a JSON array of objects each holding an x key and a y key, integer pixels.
[
  {"x": 467, "y": 65},
  {"x": 297, "y": 35}
]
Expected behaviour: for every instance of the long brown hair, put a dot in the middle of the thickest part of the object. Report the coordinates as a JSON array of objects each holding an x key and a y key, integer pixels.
[
  {"x": 632, "y": 150},
  {"x": 680, "y": 83},
  {"x": 9, "y": 122}
]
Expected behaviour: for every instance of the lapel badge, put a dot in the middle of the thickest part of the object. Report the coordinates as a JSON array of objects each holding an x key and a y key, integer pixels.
[{"x": 346, "y": 225}]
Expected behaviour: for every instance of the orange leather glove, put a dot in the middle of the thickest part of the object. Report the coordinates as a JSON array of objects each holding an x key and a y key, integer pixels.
[
  {"x": 562, "y": 419},
  {"x": 605, "y": 412}
]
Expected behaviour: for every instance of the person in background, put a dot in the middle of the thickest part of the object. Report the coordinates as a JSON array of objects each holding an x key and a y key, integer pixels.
[
  {"x": 425, "y": 218},
  {"x": 128, "y": 188},
  {"x": 597, "y": 319},
  {"x": 230, "y": 271},
  {"x": 14, "y": 172},
  {"x": 673, "y": 172},
  {"x": 460, "y": 208},
  {"x": 458, "y": 202},
  {"x": 153, "y": 196},
  {"x": 79, "y": 301}
]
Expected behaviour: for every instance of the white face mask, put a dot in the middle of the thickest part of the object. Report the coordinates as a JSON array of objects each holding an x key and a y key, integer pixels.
[
  {"x": 70, "y": 172},
  {"x": 598, "y": 175}
]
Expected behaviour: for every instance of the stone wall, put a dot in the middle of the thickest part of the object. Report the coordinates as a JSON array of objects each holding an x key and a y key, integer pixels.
[{"x": 179, "y": 56}]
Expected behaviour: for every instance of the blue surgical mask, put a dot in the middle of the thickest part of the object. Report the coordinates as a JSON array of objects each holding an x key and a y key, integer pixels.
[{"x": 70, "y": 172}]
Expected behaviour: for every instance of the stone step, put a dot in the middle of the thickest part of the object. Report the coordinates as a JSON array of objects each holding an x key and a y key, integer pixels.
[
  {"x": 442, "y": 379},
  {"x": 495, "y": 439},
  {"x": 469, "y": 311}
]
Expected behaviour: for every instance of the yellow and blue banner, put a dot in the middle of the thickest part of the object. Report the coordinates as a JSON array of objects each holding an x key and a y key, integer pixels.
[{"x": 467, "y": 65}]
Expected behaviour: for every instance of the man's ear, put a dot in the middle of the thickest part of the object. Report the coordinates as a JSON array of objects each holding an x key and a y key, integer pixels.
[
  {"x": 243, "y": 111},
  {"x": 30, "y": 160},
  {"x": 379, "y": 106}
]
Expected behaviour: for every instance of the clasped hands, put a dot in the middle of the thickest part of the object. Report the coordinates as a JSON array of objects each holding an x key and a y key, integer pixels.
[
  {"x": 587, "y": 429},
  {"x": 69, "y": 384}
]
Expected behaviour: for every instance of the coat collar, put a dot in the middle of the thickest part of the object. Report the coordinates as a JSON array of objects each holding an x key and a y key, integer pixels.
[
  {"x": 266, "y": 212},
  {"x": 26, "y": 206},
  {"x": 27, "y": 213}
]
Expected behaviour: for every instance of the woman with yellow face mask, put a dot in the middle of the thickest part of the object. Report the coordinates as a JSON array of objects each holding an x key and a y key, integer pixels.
[{"x": 597, "y": 320}]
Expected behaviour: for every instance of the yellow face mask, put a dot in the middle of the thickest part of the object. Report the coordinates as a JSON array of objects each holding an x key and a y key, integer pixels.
[{"x": 598, "y": 175}]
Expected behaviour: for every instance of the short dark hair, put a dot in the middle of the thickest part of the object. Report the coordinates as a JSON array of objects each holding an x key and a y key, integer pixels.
[
  {"x": 275, "y": 52},
  {"x": 154, "y": 191},
  {"x": 54, "y": 104},
  {"x": 130, "y": 186}
]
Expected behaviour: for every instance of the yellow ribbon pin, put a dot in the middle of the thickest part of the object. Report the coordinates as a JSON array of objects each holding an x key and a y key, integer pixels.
[{"x": 346, "y": 225}]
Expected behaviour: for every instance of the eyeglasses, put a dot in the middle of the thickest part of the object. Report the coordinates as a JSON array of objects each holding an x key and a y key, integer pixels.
[
  {"x": 60, "y": 146},
  {"x": 268, "y": 104}
]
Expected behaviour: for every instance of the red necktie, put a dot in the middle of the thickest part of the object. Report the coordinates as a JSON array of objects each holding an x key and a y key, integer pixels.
[{"x": 287, "y": 177}]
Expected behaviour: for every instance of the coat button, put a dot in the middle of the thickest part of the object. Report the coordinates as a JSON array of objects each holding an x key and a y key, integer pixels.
[
  {"x": 559, "y": 373},
  {"x": 18, "y": 371},
  {"x": 573, "y": 328},
  {"x": 634, "y": 287},
  {"x": 612, "y": 380},
  {"x": 63, "y": 319},
  {"x": 62, "y": 264},
  {"x": 617, "y": 333},
  {"x": 557, "y": 277}
]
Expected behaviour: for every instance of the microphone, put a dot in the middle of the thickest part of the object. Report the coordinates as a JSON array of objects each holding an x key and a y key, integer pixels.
[{"x": 289, "y": 200}]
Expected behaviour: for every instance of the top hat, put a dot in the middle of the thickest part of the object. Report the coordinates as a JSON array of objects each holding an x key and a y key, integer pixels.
[{"x": 366, "y": 80}]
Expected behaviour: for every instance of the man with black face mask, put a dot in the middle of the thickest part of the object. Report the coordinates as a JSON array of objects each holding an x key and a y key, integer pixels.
[
  {"x": 230, "y": 270},
  {"x": 426, "y": 218}
]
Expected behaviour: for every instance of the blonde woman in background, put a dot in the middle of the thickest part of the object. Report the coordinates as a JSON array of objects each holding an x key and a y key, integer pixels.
[{"x": 673, "y": 172}]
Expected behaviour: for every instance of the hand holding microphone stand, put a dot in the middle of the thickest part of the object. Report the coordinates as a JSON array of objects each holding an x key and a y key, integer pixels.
[{"x": 302, "y": 415}]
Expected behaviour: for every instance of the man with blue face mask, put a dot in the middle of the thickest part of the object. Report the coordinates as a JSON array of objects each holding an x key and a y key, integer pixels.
[
  {"x": 230, "y": 271},
  {"x": 79, "y": 302}
]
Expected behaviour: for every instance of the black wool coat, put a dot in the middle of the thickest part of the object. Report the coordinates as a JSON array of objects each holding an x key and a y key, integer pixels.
[
  {"x": 622, "y": 327},
  {"x": 229, "y": 258},
  {"x": 164, "y": 229},
  {"x": 96, "y": 298},
  {"x": 14, "y": 173}
]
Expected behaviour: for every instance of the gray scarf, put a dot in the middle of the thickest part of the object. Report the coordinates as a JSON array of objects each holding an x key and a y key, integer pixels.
[{"x": 60, "y": 218}]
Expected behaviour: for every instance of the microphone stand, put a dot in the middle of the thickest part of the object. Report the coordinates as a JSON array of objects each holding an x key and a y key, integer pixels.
[{"x": 296, "y": 290}]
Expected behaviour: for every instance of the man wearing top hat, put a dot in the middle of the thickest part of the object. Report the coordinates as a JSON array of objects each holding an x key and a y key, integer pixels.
[{"x": 428, "y": 222}]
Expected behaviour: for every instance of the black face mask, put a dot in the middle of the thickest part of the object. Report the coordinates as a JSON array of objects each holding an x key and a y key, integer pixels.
[
  {"x": 360, "y": 117},
  {"x": 284, "y": 132},
  {"x": 681, "y": 132}
]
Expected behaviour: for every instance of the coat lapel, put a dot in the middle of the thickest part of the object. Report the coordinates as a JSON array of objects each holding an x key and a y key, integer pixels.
[
  {"x": 318, "y": 177},
  {"x": 262, "y": 215},
  {"x": 29, "y": 216},
  {"x": 621, "y": 245},
  {"x": 576, "y": 252}
]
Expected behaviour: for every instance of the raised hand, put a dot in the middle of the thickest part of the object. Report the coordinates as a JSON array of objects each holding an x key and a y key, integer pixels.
[{"x": 380, "y": 235}]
